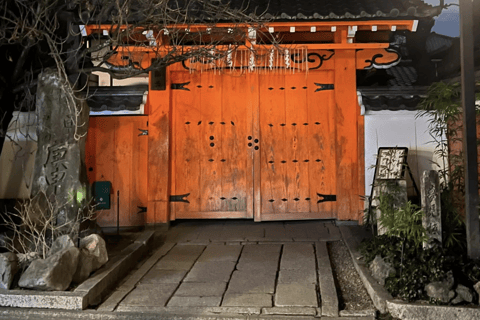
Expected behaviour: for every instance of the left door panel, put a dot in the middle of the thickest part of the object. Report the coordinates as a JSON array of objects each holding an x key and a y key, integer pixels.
[
  {"x": 115, "y": 152},
  {"x": 212, "y": 147}
]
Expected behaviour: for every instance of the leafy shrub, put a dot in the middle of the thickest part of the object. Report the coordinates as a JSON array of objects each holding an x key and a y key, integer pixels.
[{"x": 416, "y": 267}]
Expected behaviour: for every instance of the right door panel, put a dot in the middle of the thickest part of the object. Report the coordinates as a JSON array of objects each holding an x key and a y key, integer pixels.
[{"x": 297, "y": 146}]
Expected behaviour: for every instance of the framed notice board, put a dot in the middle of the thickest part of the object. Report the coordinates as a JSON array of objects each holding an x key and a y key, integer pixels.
[{"x": 391, "y": 163}]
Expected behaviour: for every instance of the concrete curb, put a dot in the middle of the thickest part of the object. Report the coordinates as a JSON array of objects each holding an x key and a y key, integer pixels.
[
  {"x": 410, "y": 311},
  {"x": 22, "y": 314},
  {"x": 384, "y": 302},
  {"x": 89, "y": 292}
]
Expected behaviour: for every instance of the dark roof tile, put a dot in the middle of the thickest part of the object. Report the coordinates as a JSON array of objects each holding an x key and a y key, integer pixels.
[{"x": 334, "y": 9}]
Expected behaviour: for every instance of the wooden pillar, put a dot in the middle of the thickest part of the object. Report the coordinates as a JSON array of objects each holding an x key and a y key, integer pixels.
[
  {"x": 159, "y": 154},
  {"x": 469, "y": 128},
  {"x": 346, "y": 114}
]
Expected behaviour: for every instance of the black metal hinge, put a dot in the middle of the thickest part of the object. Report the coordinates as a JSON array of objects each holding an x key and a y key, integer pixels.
[
  {"x": 322, "y": 87},
  {"x": 326, "y": 197},
  {"x": 180, "y": 86},
  {"x": 179, "y": 198},
  {"x": 143, "y": 132}
]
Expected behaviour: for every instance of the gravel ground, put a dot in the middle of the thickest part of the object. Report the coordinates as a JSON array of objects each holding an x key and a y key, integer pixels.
[{"x": 352, "y": 294}]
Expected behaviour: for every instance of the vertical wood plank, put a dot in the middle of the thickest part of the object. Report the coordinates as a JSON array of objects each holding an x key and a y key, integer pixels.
[
  {"x": 296, "y": 143},
  {"x": 235, "y": 160},
  {"x": 210, "y": 177},
  {"x": 186, "y": 153},
  {"x": 138, "y": 175},
  {"x": 91, "y": 150},
  {"x": 347, "y": 128},
  {"x": 255, "y": 157},
  {"x": 104, "y": 165},
  {"x": 159, "y": 154},
  {"x": 273, "y": 157},
  {"x": 361, "y": 162},
  {"x": 123, "y": 166},
  {"x": 321, "y": 142}
]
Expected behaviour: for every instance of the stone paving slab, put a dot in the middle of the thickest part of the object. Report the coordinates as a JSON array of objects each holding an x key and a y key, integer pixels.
[
  {"x": 258, "y": 266},
  {"x": 247, "y": 300},
  {"x": 164, "y": 276},
  {"x": 153, "y": 295},
  {"x": 194, "y": 301},
  {"x": 211, "y": 271},
  {"x": 186, "y": 252},
  {"x": 248, "y": 282},
  {"x": 220, "y": 252},
  {"x": 174, "y": 263},
  {"x": 192, "y": 289},
  {"x": 298, "y": 256},
  {"x": 131, "y": 281},
  {"x": 294, "y": 311},
  {"x": 297, "y": 276},
  {"x": 295, "y": 295},
  {"x": 266, "y": 249}
]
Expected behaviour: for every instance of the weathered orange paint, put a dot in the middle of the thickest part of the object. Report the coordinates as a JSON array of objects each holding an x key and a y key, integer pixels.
[
  {"x": 347, "y": 129},
  {"x": 159, "y": 156},
  {"x": 295, "y": 126},
  {"x": 115, "y": 152}
]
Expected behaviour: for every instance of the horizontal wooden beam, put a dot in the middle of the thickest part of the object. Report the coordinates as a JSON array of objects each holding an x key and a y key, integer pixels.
[
  {"x": 280, "y": 26},
  {"x": 319, "y": 46}
]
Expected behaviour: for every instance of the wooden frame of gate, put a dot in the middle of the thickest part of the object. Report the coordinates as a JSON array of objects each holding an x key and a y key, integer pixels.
[{"x": 348, "y": 127}]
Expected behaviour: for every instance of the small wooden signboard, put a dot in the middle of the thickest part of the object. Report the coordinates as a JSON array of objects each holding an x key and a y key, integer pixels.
[{"x": 391, "y": 163}]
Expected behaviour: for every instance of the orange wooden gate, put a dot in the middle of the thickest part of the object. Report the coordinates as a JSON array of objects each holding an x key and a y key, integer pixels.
[
  {"x": 258, "y": 145},
  {"x": 115, "y": 152}
]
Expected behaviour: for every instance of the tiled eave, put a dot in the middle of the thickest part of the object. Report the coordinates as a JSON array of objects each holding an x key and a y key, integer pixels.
[{"x": 391, "y": 99}]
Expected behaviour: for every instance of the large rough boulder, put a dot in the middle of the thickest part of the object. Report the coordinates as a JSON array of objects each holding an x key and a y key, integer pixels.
[
  {"x": 93, "y": 255},
  {"x": 441, "y": 290},
  {"x": 54, "y": 273},
  {"x": 381, "y": 269},
  {"x": 61, "y": 243},
  {"x": 8, "y": 268}
]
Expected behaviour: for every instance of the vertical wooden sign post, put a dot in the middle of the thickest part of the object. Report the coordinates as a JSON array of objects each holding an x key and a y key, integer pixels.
[{"x": 469, "y": 128}]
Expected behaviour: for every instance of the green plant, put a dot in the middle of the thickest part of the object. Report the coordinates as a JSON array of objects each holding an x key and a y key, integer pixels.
[
  {"x": 415, "y": 267},
  {"x": 404, "y": 222},
  {"x": 442, "y": 107}
]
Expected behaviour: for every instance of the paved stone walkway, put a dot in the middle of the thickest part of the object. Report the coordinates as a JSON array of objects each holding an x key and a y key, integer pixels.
[{"x": 277, "y": 268}]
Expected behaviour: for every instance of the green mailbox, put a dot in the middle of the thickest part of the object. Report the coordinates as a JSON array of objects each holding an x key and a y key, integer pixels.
[{"x": 101, "y": 193}]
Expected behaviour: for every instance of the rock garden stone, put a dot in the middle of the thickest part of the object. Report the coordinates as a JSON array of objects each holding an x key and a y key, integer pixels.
[
  {"x": 458, "y": 299},
  {"x": 54, "y": 273},
  {"x": 464, "y": 293},
  {"x": 93, "y": 255},
  {"x": 8, "y": 268},
  {"x": 61, "y": 243},
  {"x": 381, "y": 269},
  {"x": 441, "y": 290},
  {"x": 477, "y": 289}
]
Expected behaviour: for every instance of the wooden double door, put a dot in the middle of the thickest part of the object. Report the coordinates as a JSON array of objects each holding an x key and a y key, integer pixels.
[{"x": 256, "y": 146}]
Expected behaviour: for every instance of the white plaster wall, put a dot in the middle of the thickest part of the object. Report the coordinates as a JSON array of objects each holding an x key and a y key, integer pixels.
[
  {"x": 399, "y": 129},
  {"x": 18, "y": 157}
]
